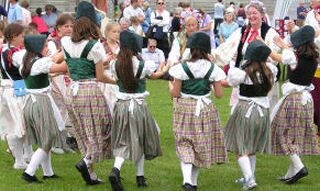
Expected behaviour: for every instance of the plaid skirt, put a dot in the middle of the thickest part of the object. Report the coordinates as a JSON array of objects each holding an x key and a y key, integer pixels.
[
  {"x": 199, "y": 140},
  {"x": 248, "y": 135},
  {"x": 41, "y": 126},
  {"x": 134, "y": 133},
  {"x": 292, "y": 130},
  {"x": 316, "y": 101},
  {"x": 90, "y": 115}
]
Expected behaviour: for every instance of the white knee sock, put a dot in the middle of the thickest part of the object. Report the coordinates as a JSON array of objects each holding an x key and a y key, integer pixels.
[
  {"x": 253, "y": 163},
  {"x": 296, "y": 162},
  {"x": 37, "y": 158},
  {"x": 47, "y": 166},
  {"x": 16, "y": 146},
  {"x": 118, "y": 162},
  {"x": 140, "y": 166},
  {"x": 245, "y": 167},
  {"x": 186, "y": 172},
  {"x": 194, "y": 175}
]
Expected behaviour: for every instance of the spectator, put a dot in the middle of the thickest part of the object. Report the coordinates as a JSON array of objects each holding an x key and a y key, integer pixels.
[
  {"x": 50, "y": 18},
  {"x": 135, "y": 26},
  {"x": 26, "y": 14},
  {"x": 228, "y": 26},
  {"x": 3, "y": 11},
  {"x": 147, "y": 12},
  {"x": 134, "y": 9},
  {"x": 241, "y": 15},
  {"x": 124, "y": 23},
  {"x": 301, "y": 13},
  {"x": 153, "y": 53},
  {"x": 38, "y": 20},
  {"x": 15, "y": 12},
  {"x": 218, "y": 15},
  {"x": 205, "y": 26}
]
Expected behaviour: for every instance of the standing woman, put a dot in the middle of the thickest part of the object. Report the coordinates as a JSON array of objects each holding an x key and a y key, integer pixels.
[
  {"x": 135, "y": 135},
  {"x": 292, "y": 130},
  {"x": 41, "y": 115},
  {"x": 228, "y": 26},
  {"x": 86, "y": 105},
  {"x": 247, "y": 130},
  {"x": 196, "y": 123}
]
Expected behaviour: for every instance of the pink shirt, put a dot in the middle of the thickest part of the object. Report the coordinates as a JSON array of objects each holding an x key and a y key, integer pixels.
[{"x": 42, "y": 27}]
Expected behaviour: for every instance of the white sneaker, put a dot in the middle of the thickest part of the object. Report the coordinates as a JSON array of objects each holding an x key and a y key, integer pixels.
[
  {"x": 57, "y": 150},
  {"x": 239, "y": 181},
  {"x": 19, "y": 166},
  {"x": 250, "y": 184}
]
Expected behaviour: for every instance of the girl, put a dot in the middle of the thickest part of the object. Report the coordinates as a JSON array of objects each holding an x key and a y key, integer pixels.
[
  {"x": 12, "y": 99},
  {"x": 292, "y": 125},
  {"x": 134, "y": 132},
  {"x": 41, "y": 115},
  {"x": 196, "y": 124},
  {"x": 247, "y": 130},
  {"x": 86, "y": 105}
]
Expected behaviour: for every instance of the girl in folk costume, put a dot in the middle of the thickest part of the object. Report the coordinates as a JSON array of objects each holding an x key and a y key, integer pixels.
[
  {"x": 292, "y": 125},
  {"x": 232, "y": 50},
  {"x": 112, "y": 47},
  {"x": 313, "y": 19},
  {"x": 11, "y": 118},
  {"x": 196, "y": 123},
  {"x": 247, "y": 130},
  {"x": 87, "y": 107},
  {"x": 41, "y": 114},
  {"x": 59, "y": 82},
  {"x": 135, "y": 135}
]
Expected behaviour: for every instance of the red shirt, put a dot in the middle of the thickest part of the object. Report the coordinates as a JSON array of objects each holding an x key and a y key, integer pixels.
[{"x": 42, "y": 27}]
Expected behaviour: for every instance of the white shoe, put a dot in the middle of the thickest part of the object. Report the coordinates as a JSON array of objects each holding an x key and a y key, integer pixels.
[
  {"x": 240, "y": 181},
  {"x": 250, "y": 184},
  {"x": 57, "y": 150},
  {"x": 19, "y": 166}
]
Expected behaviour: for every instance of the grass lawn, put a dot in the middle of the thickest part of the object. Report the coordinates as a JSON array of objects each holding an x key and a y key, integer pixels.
[{"x": 163, "y": 173}]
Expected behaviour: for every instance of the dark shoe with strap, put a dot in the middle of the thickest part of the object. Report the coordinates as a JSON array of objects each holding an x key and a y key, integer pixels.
[
  {"x": 50, "y": 177},
  {"x": 282, "y": 178},
  {"x": 115, "y": 180},
  {"x": 83, "y": 169},
  {"x": 302, "y": 173},
  {"x": 141, "y": 181},
  {"x": 188, "y": 187},
  {"x": 29, "y": 178}
]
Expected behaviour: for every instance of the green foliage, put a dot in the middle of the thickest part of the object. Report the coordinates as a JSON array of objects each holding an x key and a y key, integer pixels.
[{"x": 163, "y": 173}]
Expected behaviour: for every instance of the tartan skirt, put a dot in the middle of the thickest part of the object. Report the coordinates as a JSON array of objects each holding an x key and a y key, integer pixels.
[
  {"x": 316, "y": 101},
  {"x": 134, "y": 133},
  {"x": 199, "y": 139},
  {"x": 292, "y": 130},
  {"x": 248, "y": 135},
  {"x": 90, "y": 115},
  {"x": 41, "y": 126}
]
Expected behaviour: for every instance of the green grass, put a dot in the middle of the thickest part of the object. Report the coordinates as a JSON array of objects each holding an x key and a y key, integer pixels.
[{"x": 164, "y": 172}]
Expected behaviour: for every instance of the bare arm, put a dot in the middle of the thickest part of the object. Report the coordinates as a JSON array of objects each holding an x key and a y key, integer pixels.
[
  {"x": 175, "y": 87},
  {"x": 100, "y": 76},
  {"x": 160, "y": 72},
  {"x": 218, "y": 92},
  {"x": 59, "y": 68}
]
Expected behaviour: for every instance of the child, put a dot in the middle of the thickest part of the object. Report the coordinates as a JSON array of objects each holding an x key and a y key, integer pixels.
[
  {"x": 196, "y": 124},
  {"x": 41, "y": 115},
  {"x": 12, "y": 99},
  {"x": 134, "y": 132},
  {"x": 247, "y": 130},
  {"x": 136, "y": 26},
  {"x": 292, "y": 126}
]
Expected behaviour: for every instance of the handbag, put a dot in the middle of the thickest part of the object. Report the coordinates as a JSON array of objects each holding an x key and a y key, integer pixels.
[
  {"x": 159, "y": 34},
  {"x": 19, "y": 88}
]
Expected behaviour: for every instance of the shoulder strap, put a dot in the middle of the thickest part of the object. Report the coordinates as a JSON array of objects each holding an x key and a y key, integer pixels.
[
  {"x": 187, "y": 70},
  {"x": 207, "y": 76},
  {"x": 140, "y": 68},
  {"x": 66, "y": 53},
  {"x": 240, "y": 46},
  {"x": 87, "y": 48}
]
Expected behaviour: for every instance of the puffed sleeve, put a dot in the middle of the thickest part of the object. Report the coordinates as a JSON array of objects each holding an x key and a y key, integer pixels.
[
  {"x": 97, "y": 53},
  {"x": 288, "y": 57},
  {"x": 41, "y": 66},
  {"x": 177, "y": 72},
  {"x": 17, "y": 58},
  {"x": 217, "y": 74},
  {"x": 236, "y": 76}
]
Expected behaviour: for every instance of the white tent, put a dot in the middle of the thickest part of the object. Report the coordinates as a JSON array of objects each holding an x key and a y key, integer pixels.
[{"x": 282, "y": 8}]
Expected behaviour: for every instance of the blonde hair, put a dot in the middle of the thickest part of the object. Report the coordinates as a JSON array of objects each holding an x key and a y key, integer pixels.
[{"x": 110, "y": 26}]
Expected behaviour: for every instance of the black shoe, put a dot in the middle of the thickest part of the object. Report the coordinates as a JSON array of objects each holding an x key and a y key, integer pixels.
[
  {"x": 95, "y": 182},
  {"x": 141, "y": 181},
  {"x": 115, "y": 181},
  {"x": 282, "y": 178},
  {"x": 29, "y": 178},
  {"x": 188, "y": 187},
  {"x": 50, "y": 177},
  {"x": 302, "y": 173},
  {"x": 83, "y": 169},
  {"x": 72, "y": 143}
]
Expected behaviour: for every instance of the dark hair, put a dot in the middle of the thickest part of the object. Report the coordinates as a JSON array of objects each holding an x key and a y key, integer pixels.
[
  {"x": 308, "y": 50},
  {"x": 197, "y": 54},
  {"x": 84, "y": 29},
  {"x": 124, "y": 68},
  {"x": 39, "y": 11},
  {"x": 12, "y": 30},
  {"x": 259, "y": 73},
  {"x": 63, "y": 19},
  {"x": 28, "y": 63}
]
